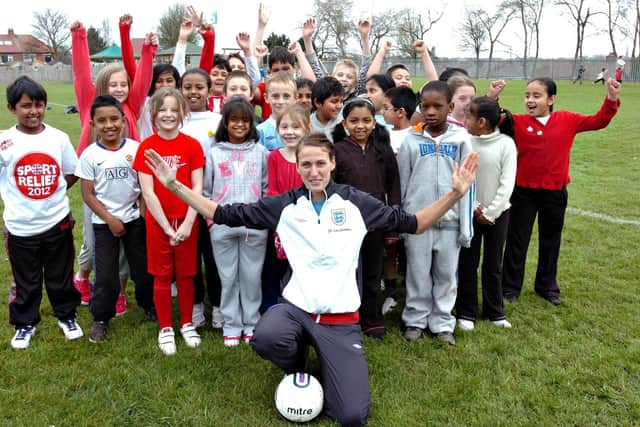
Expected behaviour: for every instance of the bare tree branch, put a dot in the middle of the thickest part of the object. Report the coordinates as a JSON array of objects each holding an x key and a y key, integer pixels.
[
  {"x": 414, "y": 26},
  {"x": 473, "y": 34},
  {"x": 333, "y": 24},
  {"x": 52, "y": 27}
]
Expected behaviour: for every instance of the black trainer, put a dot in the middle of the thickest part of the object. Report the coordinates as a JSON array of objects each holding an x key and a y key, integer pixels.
[
  {"x": 151, "y": 315},
  {"x": 446, "y": 337},
  {"x": 98, "y": 332}
]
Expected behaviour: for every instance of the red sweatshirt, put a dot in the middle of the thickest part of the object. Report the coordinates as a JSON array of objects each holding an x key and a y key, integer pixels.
[
  {"x": 85, "y": 89},
  {"x": 543, "y": 150}
]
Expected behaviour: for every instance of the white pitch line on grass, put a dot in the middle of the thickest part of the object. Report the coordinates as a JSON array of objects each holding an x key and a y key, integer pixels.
[{"x": 603, "y": 217}]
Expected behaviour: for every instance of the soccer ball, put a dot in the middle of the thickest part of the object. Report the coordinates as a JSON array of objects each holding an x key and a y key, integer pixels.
[{"x": 299, "y": 397}]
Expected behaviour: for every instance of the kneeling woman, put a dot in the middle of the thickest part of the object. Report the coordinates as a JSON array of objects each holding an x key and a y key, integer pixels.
[{"x": 321, "y": 226}]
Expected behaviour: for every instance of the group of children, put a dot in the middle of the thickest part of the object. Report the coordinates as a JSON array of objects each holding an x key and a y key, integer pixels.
[{"x": 399, "y": 147}]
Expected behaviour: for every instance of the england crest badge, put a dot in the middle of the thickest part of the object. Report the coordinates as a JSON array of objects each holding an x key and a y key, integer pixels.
[{"x": 338, "y": 216}]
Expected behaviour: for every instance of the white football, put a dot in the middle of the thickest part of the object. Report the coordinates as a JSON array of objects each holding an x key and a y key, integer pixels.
[{"x": 299, "y": 397}]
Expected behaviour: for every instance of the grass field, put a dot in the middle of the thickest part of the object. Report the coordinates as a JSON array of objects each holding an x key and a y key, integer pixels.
[{"x": 577, "y": 364}]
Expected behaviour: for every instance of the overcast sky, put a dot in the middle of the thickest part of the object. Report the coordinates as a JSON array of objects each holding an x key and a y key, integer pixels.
[{"x": 557, "y": 39}]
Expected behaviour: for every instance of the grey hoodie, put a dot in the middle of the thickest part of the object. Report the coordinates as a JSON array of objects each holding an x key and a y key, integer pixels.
[
  {"x": 236, "y": 173},
  {"x": 426, "y": 167}
]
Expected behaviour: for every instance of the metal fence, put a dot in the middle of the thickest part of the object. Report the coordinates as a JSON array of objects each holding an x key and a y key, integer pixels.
[{"x": 511, "y": 69}]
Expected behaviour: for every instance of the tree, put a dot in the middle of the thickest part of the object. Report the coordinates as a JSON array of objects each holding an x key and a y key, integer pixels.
[
  {"x": 615, "y": 11},
  {"x": 277, "y": 40},
  {"x": 636, "y": 31},
  {"x": 333, "y": 24},
  {"x": 105, "y": 30},
  {"x": 169, "y": 26},
  {"x": 535, "y": 13},
  {"x": 530, "y": 13},
  {"x": 473, "y": 34},
  {"x": 383, "y": 25},
  {"x": 494, "y": 24},
  {"x": 414, "y": 26},
  {"x": 580, "y": 17},
  {"x": 52, "y": 27},
  {"x": 95, "y": 41}
]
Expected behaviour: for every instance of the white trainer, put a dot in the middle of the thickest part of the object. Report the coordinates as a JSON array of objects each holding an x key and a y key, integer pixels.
[
  {"x": 23, "y": 336},
  {"x": 217, "y": 321},
  {"x": 190, "y": 335},
  {"x": 466, "y": 325},
  {"x": 167, "y": 341},
  {"x": 231, "y": 340},
  {"x": 388, "y": 305},
  {"x": 197, "y": 316},
  {"x": 70, "y": 328},
  {"x": 504, "y": 323}
]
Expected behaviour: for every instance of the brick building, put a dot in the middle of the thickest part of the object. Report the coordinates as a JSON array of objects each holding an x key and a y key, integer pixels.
[{"x": 22, "y": 48}]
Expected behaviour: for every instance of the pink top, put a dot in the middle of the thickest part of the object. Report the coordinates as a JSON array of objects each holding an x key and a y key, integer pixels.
[
  {"x": 85, "y": 89},
  {"x": 283, "y": 175}
]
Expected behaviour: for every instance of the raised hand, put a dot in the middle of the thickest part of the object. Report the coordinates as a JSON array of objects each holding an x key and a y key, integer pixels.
[
  {"x": 244, "y": 42},
  {"x": 126, "y": 19},
  {"x": 151, "y": 38},
  {"x": 76, "y": 25},
  {"x": 204, "y": 27},
  {"x": 165, "y": 174},
  {"x": 308, "y": 28},
  {"x": 464, "y": 175},
  {"x": 364, "y": 26},
  {"x": 495, "y": 88},
  {"x": 294, "y": 48},
  {"x": 263, "y": 14},
  {"x": 186, "y": 28},
  {"x": 419, "y": 46},
  {"x": 613, "y": 89},
  {"x": 260, "y": 52},
  {"x": 194, "y": 17}
]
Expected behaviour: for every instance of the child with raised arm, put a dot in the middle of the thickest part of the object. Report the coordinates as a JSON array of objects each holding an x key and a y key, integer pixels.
[
  {"x": 345, "y": 70},
  {"x": 131, "y": 93},
  {"x": 425, "y": 160},
  {"x": 172, "y": 237},
  {"x": 237, "y": 173},
  {"x": 288, "y": 59},
  {"x": 399, "y": 73},
  {"x": 247, "y": 61},
  {"x": 544, "y": 139},
  {"x": 163, "y": 74},
  {"x": 110, "y": 188},
  {"x": 37, "y": 162}
]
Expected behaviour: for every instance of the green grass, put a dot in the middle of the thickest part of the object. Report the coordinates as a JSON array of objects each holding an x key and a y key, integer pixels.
[{"x": 577, "y": 364}]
